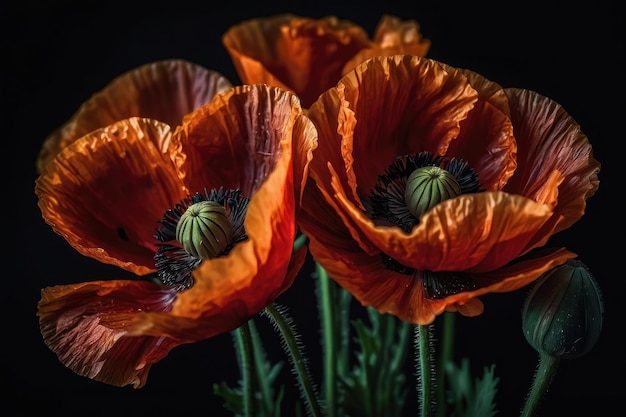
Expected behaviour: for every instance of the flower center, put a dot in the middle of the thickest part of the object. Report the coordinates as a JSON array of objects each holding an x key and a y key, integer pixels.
[
  {"x": 204, "y": 229},
  {"x": 428, "y": 186},
  {"x": 410, "y": 187},
  {"x": 204, "y": 226}
]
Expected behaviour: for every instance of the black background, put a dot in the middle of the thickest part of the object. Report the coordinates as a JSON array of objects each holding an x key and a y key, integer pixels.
[{"x": 56, "y": 54}]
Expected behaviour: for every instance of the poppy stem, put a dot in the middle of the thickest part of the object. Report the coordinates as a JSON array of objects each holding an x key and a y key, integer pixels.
[
  {"x": 423, "y": 363},
  {"x": 541, "y": 382},
  {"x": 299, "y": 241},
  {"x": 291, "y": 343},
  {"x": 244, "y": 345},
  {"x": 326, "y": 297},
  {"x": 446, "y": 356}
]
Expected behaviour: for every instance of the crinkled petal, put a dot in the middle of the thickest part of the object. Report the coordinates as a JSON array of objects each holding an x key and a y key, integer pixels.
[
  {"x": 387, "y": 107},
  {"x": 404, "y": 296},
  {"x": 476, "y": 232},
  {"x": 204, "y": 312},
  {"x": 301, "y": 54},
  {"x": 486, "y": 140},
  {"x": 86, "y": 326},
  {"x": 244, "y": 140},
  {"x": 163, "y": 90},
  {"x": 550, "y": 140},
  {"x": 106, "y": 192},
  {"x": 393, "y": 36}
]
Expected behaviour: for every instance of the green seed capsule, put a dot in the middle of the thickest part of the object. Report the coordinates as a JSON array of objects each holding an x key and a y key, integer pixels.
[
  {"x": 204, "y": 230},
  {"x": 428, "y": 186}
]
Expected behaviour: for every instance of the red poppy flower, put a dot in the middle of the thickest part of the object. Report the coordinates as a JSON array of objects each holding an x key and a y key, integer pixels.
[
  {"x": 162, "y": 90},
  {"x": 433, "y": 185},
  {"x": 145, "y": 198},
  {"x": 308, "y": 56}
]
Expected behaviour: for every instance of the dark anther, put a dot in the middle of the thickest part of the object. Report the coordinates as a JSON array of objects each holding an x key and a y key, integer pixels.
[{"x": 439, "y": 285}]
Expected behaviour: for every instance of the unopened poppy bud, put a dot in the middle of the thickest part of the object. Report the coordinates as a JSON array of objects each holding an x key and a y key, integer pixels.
[
  {"x": 428, "y": 186},
  {"x": 562, "y": 315},
  {"x": 204, "y": 229}
]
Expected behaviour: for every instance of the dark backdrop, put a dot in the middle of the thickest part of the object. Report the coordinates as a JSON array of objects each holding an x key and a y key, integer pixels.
[{"x": 56, "y": 54}]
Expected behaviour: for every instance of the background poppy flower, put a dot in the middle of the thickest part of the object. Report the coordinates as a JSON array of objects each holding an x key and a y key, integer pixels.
[
  {"x": 106, "y": 194},
  {"x": 163, "y": 90},
  {"x": 308, "y": 56},
  {"x": 524, "y": 167}
]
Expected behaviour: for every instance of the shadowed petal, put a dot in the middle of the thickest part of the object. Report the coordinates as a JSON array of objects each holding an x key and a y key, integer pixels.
[
  {"x": 106, "y": 192},
  {"x": 205, "y": 312},
  {"x": 244, "y": 140},
  {"x": 549, "y": 139},
  {"x": 300, "y": 54},
  {"x": 476, "y": 232},
  {"x": 392, "y": 37},
  {"x": 85, "y": 325},
  {"x": 163, "y": 90},
  {"x": 387, "y": 107}
]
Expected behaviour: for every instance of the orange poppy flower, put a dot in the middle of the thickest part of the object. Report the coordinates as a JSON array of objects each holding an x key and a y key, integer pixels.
[
  {"x": 145, "y": 198},
  {"x": 163, "y": 90},
  {"x": 308, "y": 56},
  {"x": 433, "y": 185}
]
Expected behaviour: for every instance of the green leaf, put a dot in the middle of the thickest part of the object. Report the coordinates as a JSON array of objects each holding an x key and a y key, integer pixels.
[
  {"x": 375, "y": 384},
  {"x": 268, "y": 400},
  {"x": 471, "y": 398}
]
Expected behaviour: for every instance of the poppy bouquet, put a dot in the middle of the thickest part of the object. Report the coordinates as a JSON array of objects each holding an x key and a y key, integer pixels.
[{"x": 414, "y": 187}]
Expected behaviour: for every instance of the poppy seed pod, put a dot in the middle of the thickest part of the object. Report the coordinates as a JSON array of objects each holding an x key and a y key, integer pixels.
[
  {"x": 562, "y": 315},
  {"x": 428, "y": 186},
  {"x": 205, "y": 230}
]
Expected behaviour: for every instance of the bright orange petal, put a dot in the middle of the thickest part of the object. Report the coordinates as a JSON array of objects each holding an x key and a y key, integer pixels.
[
  {"x": 550, "y": 140},
  {"x": 477, "y": 232},
  {"x": 388, "y": 107},
  {"x": 244, "y": 140},
  {"x": 106, "y": 192},
  {"x": 301, "y": 54},
  {"x": 85, "y": 325},
  {"x": 163, "y": 90}
]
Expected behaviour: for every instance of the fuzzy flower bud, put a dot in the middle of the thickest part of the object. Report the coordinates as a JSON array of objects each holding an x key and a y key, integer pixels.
[{"x": 562, "y": 315}]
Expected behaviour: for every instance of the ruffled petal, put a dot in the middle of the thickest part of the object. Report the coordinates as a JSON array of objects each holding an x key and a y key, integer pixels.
[
  {"x": 86, "y": 326},
  {"x": 163, "y": 90},
  {"x": 205, "y": 312},
  {"x": 550, "y": 140},
  {"x": 475, "y": 232},
  {"x": 486, "y": 138},
  {"x": 106, "y": 192},
  {"x": 300, "y": 54},
  {"x": 393, "y": 36},
  {"x": 366, "y": 278},
  {"x": 387, "y": 107},
  {"x": 239, "y": 139},
  {"x": 244, "y": 140}
]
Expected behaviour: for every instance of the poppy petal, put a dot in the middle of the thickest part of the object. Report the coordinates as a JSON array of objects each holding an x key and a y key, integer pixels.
[
  {"x": 106, "y": 192},
  {"x": 85, "y": 325},
  {"x": 421, "y": 104},
  {"x": 365, "y": 277},
  {"x": 300, "y": 54},
  {"x": 226, "y": 311},
  {"x": 477, "y": 232},
  {"x": 163, "y": 90},
  {"x": 393, "y": 36},
  {"x": 549, "y": 139},
  {"x": 243, "y": 140},
  {"x": 238, "y": 139}
]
